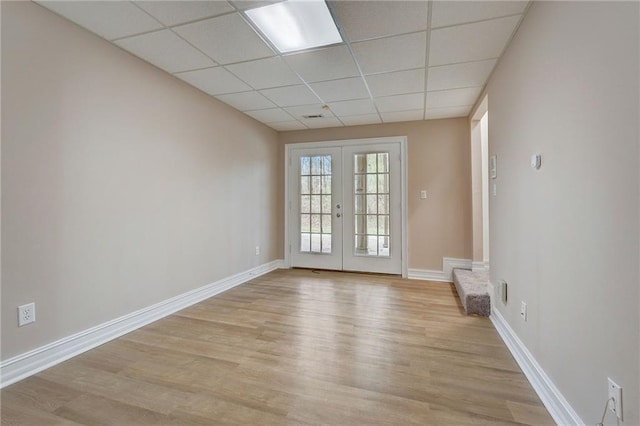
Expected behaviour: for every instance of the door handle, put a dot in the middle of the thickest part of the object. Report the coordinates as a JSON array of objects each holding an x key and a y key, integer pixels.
[
  {"x": 337, "y": 206},
  {"x": 338, "y": 215}
]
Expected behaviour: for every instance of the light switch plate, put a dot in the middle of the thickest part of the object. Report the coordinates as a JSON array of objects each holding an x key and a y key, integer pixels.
[
  {"x": 523, "y": 311},
  {"x": 536, "y": 161}
]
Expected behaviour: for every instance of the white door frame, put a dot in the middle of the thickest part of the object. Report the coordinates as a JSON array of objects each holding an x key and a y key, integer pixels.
[{"x": 340, "y": 143}]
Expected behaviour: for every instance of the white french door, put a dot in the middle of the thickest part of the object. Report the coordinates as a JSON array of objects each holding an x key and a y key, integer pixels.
[
  {"x": 345, "y": 207},
  {"x": 316, "y": 237}
]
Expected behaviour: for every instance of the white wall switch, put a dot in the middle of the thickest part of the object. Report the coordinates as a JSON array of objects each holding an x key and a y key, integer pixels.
[
  {"x": 523, "y": 311},
  {"x": 494, "y": 189},
  {"x": 257, "y": 250},
  {"x": 423, "y": 194},
  {"x": 26, "y": 314},
  {"x": 536, "y": 161},
  {"x": 493, "y": 166}
]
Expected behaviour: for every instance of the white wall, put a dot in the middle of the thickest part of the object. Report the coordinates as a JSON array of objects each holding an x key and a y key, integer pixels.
[
  {"x": 121, "y": 185},
  {"x": 566, "y": 237}
]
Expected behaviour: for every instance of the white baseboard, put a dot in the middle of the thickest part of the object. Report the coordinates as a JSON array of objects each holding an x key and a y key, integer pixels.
[
  {"x": 479, "y": 266},
  {"x": 278, "y": 264},
  {"x": 553, "y": 400},
  {"x": 34, "y": 361},
  {"x": 427, "y": 275},
  {"x": 448, "y": 263}
]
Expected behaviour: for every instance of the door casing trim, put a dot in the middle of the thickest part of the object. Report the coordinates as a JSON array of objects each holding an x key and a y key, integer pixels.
[{"x": 339, "y": 144}]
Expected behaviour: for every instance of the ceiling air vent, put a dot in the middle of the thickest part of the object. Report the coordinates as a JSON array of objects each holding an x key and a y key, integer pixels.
[{"x": 313, "y": 116}]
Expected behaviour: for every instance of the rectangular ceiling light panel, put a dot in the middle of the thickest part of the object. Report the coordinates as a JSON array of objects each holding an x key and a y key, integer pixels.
[{"x": 294, "y": 25}]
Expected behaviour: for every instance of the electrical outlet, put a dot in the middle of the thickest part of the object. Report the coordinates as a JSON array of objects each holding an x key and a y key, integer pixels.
[
  {"x": 523, "y": 311},
  {"x": 615, "y": 393},
  {"x": 26, "y": 314},
  {"x": 257, "y": 250},
  {"x": 423, "y": 194}
]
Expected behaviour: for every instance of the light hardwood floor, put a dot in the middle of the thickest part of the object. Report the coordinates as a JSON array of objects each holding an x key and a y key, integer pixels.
[{"x": 293, "y": 347}]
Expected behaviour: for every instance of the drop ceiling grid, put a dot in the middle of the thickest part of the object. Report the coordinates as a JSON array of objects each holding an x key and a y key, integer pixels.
[
  {"x": 265, "y": 115},
  {"x": 250, "y": 87},
  {"x": 232, "y": 10},
  {"x": 366, "y": 34},
  {"x": 426, "y": 60},
  {"x": 175, "y": 33}
]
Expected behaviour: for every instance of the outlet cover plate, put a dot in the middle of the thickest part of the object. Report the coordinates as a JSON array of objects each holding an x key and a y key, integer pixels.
[
  {"x": 615, "y": 392},
  {"x": 26, "y": 314}
]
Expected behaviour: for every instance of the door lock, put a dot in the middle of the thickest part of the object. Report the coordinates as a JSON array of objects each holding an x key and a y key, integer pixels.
[{"x": 338, "y": 214}]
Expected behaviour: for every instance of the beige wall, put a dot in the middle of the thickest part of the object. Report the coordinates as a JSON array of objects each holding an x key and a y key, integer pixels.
[
  {"x": 439, "y": 161},
  {"x": 121, "y": 185},
  {"x": 565, "y": 237}
]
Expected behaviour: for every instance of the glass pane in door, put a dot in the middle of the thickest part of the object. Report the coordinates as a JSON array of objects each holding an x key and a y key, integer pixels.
[
  {"x": 371, "y": 204},
  {"x": 315, "y": 204}
]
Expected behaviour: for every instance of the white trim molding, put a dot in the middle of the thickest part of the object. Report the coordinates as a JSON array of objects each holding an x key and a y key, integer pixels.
[
  {"x": 36, "y": 360},
  {"x": 444, "y": 276},
  {"x": 428, "y": 275},
  {"x": 553, "y": 400},
  {"x": 491, "y": 289},
  {"x": 480, "y": 266}
]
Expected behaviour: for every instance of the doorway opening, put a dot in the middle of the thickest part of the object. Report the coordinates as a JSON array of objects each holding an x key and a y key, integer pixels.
[{"x": 480, "y": 186}]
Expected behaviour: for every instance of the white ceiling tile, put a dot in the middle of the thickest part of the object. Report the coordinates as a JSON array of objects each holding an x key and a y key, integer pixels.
[
  {"x": 166, "y": 50},
  {"x": 452, "y": 98},
  {"x": 358, "y": 120},
  {"x": 253, "y": 4},
  {"x": 324, "y": 64},
  {"x": 179, "y": 12},
  {"x": 226, "y": 39},
  {"x": 468, "y": 74},
  {"x": 246, "y": 101},
  {"x": 389, "y": 117},
  {"x": 215, "y": 81},
  {"x": 301, "y": 111},
  {"x": 408, "y": 102},
  {"x": 265, "y": 73},
  {"x": 357, "y": 107},
  {"x": 340, "y": 90},
  {"x": 391, "y": 54},
  {"x": 283, "y": 126},
  {"x": 451, "y": 112},
  {"x": 362, "y": 20},
  {"x": 457, "y": 12},
  {"x": 269, "y": 115},
  {"x": 318, "y": 123},
  {"x": 471, "y": 42},
  {"x": 290, "y": 96},
  {"x": 109, "y": 19},
  {"x": 396, "y": 83}
]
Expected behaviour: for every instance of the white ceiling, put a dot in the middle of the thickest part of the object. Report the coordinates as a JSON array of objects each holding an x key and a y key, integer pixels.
[{"x": 401, "y": 60}]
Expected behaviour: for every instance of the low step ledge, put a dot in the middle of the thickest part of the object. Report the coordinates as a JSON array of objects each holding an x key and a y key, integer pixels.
[{"x": 472, "y": 290}]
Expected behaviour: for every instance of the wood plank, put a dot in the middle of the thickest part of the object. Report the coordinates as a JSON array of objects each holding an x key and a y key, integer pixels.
[{"x": 293, "y": 347}]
